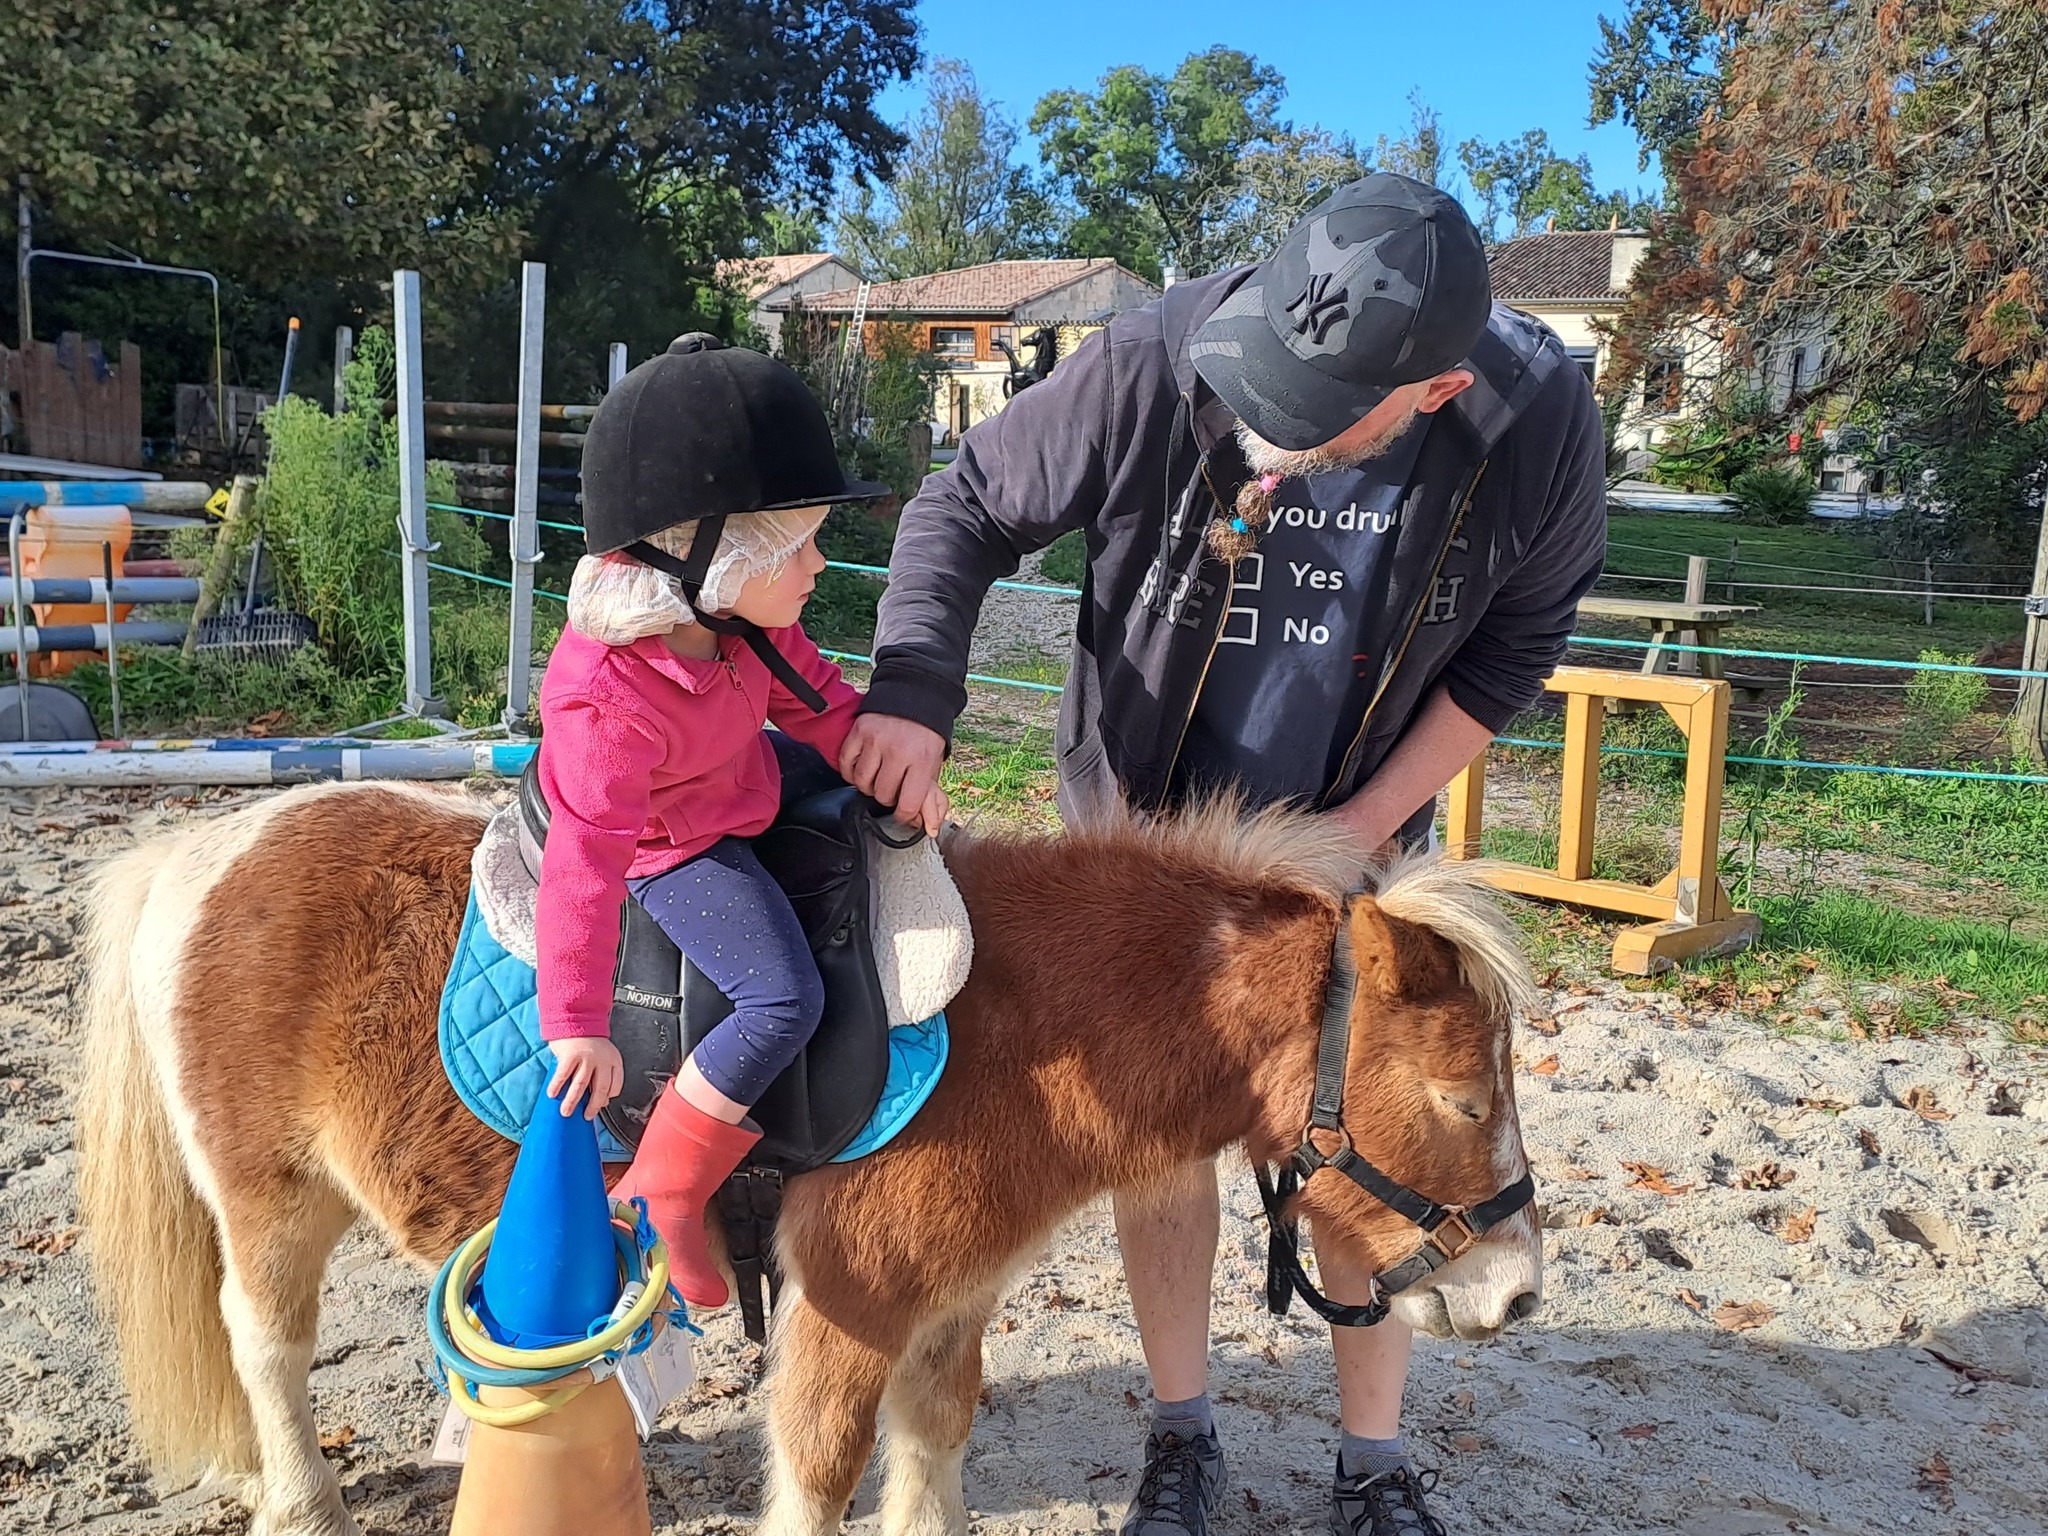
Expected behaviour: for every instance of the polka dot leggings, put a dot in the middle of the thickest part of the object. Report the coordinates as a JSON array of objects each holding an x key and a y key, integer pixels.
[{"x": 727, "y": 914}]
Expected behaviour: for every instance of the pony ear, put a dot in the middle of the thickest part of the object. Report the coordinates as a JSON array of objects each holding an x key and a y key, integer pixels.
[{"x": 1399, "y": 959}]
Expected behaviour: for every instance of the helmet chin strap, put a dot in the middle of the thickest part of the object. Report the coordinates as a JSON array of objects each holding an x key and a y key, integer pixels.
[{"x": 689, "y": 573}]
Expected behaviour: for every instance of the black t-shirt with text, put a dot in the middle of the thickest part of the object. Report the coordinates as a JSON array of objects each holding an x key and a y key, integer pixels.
[{"x": 1303, "y": 639}]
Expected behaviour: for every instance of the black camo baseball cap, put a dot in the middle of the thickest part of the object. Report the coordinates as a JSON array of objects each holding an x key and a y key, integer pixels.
[{"x": 1384, "y": 284}]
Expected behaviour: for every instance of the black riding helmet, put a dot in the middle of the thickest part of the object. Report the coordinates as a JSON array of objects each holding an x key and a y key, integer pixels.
[
  {"x": 702, "y": 433},
  {"x": 706, "y": 430}
]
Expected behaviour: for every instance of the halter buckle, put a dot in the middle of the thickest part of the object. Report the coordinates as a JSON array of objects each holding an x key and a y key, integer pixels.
[{"x": 1466, "y": 1235}]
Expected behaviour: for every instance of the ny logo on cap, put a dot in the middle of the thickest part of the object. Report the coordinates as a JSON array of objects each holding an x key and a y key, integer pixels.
[
  {"x": 1343, "y": 261},
  {"x": 1316, "y": 309}
]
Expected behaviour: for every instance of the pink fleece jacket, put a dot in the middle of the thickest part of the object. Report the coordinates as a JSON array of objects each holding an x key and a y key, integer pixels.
[{"x": 647, "y": 759}]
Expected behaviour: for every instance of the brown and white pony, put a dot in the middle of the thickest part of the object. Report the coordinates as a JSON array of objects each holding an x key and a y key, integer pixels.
[{"x": 262, "y": 1072}]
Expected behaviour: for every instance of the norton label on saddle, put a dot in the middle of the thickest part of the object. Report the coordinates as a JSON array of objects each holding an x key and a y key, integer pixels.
[{"x": 498, "y": 1064}]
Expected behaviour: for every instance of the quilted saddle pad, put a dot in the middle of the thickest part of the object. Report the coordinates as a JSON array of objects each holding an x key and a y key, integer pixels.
[{"x": 499, "y": 1066}]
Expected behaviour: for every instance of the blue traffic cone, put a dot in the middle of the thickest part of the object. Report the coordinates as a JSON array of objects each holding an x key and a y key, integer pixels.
[{"x": 553, "y": 1266}]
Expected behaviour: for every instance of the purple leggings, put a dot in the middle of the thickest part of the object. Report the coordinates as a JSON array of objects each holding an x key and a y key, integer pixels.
[{"x": 729, "y": 917}]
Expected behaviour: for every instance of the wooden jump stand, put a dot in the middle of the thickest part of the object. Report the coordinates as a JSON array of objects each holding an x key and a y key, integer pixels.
[{"x": 1691, "y": 912}]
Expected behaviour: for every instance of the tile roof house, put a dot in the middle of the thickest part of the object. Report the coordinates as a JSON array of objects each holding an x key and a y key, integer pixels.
[
  {"x": 962, "y": 315},
  {"x": 1576, "y": 281},
  {"x": 767, "y": 281}
]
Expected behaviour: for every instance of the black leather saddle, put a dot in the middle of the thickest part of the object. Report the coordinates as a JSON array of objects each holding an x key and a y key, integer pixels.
[{"x": 819, "y": 851}]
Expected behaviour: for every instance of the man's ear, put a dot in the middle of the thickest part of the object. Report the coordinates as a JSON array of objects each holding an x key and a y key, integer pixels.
[{"x": 1443, "y": 389}]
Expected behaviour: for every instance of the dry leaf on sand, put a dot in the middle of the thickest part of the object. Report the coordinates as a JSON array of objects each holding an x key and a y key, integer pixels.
[
  {"x": 1924, "y": 1104},
  {"x": 1741, "y": 1316},
  {"x": 1800, "y": 1228},
  {"x": 1768, "y": 1176},
  {"x": 1649, "y": 1176},
  {"x": 1547, "y": 1067}
]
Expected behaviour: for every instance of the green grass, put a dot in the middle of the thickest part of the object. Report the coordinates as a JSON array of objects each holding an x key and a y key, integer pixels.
[
  {"x": 1003, "y": 774},
  {"x": 1832, "y": 554},
  {"x": 1065, "y": 559},
  {"x": 1870, "y": 941}
]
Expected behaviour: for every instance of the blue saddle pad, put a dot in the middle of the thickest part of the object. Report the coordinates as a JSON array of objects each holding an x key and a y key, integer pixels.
[{"x": 494, "y": 1056}]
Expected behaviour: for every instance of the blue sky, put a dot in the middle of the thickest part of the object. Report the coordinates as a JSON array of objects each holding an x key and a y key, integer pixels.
[{"x": 1491, "y": 67}]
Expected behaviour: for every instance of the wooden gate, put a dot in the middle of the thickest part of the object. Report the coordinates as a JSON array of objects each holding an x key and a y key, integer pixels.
[{"x": 71, "y": 403}]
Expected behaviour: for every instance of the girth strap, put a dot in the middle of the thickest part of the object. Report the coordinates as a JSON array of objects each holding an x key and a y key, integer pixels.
[{"x": 690, "y": 572}]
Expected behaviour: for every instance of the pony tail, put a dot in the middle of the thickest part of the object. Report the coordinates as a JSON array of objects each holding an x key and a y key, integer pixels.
[{"x": 153, "y": 1243}]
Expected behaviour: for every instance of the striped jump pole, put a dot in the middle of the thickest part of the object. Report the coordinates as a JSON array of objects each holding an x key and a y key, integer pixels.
[{"x": 245, "y": 764}]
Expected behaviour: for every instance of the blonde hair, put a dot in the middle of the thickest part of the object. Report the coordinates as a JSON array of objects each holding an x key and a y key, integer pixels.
[{"x": 615, "y": 599}]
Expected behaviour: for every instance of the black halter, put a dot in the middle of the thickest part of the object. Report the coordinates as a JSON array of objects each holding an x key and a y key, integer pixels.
[
  {"x": 689, "y": 573},
  {"x": 1448, "y": 1230}
]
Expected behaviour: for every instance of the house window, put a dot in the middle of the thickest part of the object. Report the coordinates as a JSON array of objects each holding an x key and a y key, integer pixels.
[
  {"x": 1831, "y": 480},
  {"x": 997, "y": 334},
  {"x": 1588, "y": 359},
  {"x": 953, "y": 341},
  {"x": 1664, "y": 383}
]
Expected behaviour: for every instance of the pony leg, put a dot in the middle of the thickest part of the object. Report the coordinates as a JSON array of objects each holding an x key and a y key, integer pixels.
[
  {"x": 930, "y": 1406},
  {"x": 275, "y": 1243},
  {"x": 823, "y": 1397}
]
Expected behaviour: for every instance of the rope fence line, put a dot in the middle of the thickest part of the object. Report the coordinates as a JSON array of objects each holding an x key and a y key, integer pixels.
[
  {"x": 1814, "y": 570},
  {"x": 1917, "y": 593},
  {"x": 1538, "y": 743}
]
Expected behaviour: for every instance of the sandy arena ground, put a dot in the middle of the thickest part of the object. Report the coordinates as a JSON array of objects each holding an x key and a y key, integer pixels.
[{"x": 1794, "y": 1283}]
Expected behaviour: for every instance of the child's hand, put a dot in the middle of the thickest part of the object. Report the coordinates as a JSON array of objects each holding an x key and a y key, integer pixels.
[{"x": 588, "y": 1065}]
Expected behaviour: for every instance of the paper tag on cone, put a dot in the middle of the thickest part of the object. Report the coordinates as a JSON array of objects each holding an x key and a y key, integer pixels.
[
  {"x": 657, "y": 1376},
  {"x": 451, "y": 1444}
]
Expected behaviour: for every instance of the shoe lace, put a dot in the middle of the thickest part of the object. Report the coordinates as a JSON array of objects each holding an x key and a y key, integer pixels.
[
  {"x": 1389, "y": 1503},
  {"x": 1171, "y": 1489}
]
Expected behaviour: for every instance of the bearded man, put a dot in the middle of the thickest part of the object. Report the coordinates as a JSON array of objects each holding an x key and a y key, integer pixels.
[{"x": 1340, "y": 509}]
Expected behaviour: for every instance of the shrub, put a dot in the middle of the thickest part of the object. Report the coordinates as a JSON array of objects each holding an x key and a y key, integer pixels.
[{"x": 1772, "y": 495}]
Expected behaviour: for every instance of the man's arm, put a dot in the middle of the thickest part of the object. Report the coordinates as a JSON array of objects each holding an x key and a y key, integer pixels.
[
  {"x": 1024, "y": 476},
  {"x": 1438, "y": 745},
  {"x": 1500, "y": 669},
  {"x": 1517, "y": 643}
]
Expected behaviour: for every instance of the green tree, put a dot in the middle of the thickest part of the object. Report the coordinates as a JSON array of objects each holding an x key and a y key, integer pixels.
[
  {"x": 1657, "y": 70},
  {"x": 1278, "y": 182},
  {"x": 1418, "y": 153},
  {"x": 954, "y": 198},
  {"x": 1153, "y": 162},
  {"x": 304, "y": 149},
  {"x": 1524, "y": 184}
]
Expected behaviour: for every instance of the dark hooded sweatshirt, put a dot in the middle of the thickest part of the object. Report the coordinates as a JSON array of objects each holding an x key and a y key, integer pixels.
[{"x": 1502, "y": 526}]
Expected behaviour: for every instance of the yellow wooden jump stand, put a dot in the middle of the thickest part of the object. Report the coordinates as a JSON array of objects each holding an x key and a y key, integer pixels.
[{"x": 1692, "y": 913}]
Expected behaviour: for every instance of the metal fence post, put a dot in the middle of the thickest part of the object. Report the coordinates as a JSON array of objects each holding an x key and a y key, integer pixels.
[
  {"x": 615, "y": 365},
  {"x": 533, "y": 291},
  {"x": 412, "y": 497},
  {"x": 344, "y": 351}
]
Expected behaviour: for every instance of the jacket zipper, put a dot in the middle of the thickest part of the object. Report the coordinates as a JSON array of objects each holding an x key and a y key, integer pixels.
[
  {"x": 1216, "y": 639},
  {"x": 1395, "y": 658}
]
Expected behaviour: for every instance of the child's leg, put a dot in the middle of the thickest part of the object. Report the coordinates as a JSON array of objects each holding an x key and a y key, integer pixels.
[
  {"x": 735, "y": 925},
  {"x": 727, "y": 914}
]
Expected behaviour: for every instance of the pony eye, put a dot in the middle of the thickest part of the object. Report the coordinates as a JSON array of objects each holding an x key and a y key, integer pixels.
[{"x": 1470, "y": 1103}]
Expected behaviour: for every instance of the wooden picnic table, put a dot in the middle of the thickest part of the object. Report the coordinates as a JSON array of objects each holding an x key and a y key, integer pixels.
[{"x": 1673, "y": 624}]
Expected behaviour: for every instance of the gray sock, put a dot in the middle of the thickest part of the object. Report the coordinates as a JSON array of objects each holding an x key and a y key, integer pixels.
[
  {"x": 1360, "y": 1457},
  {"x": 1188, "y": 1418}
]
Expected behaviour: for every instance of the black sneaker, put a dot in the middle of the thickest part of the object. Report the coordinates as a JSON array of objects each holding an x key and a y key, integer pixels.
[
  {"x": 1383, "y": 1504},
  {"x": 1183, "y": 1481}
]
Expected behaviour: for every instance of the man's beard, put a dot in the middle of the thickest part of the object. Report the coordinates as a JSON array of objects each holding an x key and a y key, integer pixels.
[
  {"x": 1265, "y": 459},
  {"x": 1270, "y": 465}
]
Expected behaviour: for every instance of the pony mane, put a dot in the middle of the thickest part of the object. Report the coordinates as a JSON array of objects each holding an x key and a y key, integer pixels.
[
  {"x": 1453, "y": 900},
  {"x": 1275, "y": 847}
]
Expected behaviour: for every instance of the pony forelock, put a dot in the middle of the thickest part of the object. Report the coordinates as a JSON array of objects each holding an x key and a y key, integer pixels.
[{"x": 1452, "y": 898}]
